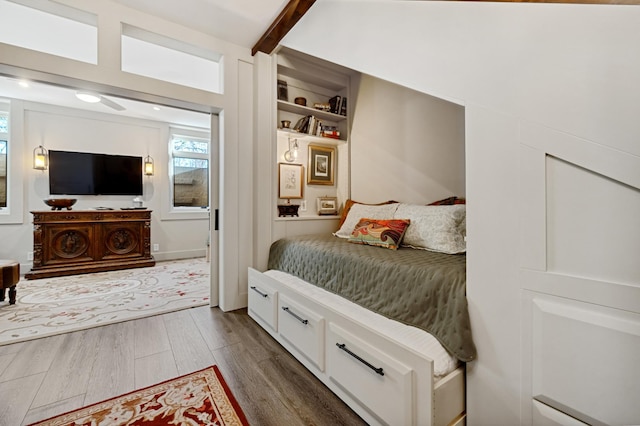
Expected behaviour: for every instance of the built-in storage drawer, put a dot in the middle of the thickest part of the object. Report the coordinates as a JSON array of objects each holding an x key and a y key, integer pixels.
[
  {"x": 303, "y": 328},
  {"x": 585, "y": 360},
  {"x": 381, "y": 384},
  {"x": 263, "y": 300},
  {"x": 543, "y": 415}
]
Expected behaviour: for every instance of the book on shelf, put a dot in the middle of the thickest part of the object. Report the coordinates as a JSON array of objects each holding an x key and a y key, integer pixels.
[
  {"x": 301, "y": 124},
  {"x": 343, "y": 106},
  {"x": 334, "y": 104}
]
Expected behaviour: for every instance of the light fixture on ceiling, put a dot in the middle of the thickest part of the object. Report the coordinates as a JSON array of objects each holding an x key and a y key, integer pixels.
[
  {"x": 148, "y": 165},
  {"x": 40, "y": 158},
  {"x": 94, "y": 98},
  {"x": 90, "y": 97},
  {"x": 291, "y": 155}
]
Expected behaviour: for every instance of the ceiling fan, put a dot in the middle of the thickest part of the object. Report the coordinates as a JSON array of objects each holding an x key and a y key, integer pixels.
[{"x": 93, "y": 97}]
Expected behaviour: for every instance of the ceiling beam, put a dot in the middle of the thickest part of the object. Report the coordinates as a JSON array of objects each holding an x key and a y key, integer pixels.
[{"x": 290, "y": 15}]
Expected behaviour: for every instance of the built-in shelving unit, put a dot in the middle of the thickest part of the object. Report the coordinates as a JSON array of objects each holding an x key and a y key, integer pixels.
[{"x": 319, "y": 83}]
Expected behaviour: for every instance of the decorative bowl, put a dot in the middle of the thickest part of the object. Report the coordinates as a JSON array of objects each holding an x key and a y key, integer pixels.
[{"x": 60, "y": 203}]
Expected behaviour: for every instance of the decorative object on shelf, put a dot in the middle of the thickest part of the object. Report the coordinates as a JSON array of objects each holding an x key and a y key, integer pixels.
[
  {"x": 321, "y": 164},
  {"x": 291, "y": 154},
  {"x": 285, "y": 124},
  {"x": 40, "y": 158},
  {"x": 283, "y": 91},
  {"x": 322, "y": 106},
  {"x": 288, "y": 209},
  {"x": 137, "y": 202},
  {"x": 148, "y": 166},
  {"x": 60, "y": 203},
  {"x": 327, "y": 206},
  {"x": 300, "y": 101},
  {"x": 290, "y": 180}
]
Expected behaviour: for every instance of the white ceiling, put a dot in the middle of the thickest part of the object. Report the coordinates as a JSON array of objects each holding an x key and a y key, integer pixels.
[
  {"x": 239, "y": 21},
  {"x": 60, "y": 96}
]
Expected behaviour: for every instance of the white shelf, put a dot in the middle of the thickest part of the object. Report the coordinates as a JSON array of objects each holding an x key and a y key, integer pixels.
[
  {"x": 312, "y": 138},
  {"x": 305, "y": 110},
  {"x": 299, "y": 218}
]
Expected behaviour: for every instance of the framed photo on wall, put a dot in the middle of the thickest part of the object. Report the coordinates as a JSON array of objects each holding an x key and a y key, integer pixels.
[
  {"x": 290, "y": 180},
  {"x": 321, "y": 164}
]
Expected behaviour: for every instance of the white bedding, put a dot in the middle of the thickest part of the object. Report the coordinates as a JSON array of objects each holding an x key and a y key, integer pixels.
[{"x": 411, "y": 337}]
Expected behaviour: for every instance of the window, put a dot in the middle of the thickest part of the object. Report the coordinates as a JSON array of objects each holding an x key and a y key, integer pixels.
[
  {"x": 169, "y": 60},
  {"x": 4, "y": 138},
  {"x": 189, "y": 171},
  {"x": 52, "y": 28}
]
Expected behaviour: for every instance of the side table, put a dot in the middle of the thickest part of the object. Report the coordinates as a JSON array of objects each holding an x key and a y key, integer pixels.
[{"x": 9, "y": 277}]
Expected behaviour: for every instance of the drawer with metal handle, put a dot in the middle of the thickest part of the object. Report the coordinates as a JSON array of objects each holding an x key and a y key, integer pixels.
[
  {"x": 370, "y": 377},
  {"x": 303, "y": 328},
  {"x": 263, "y": 300}
]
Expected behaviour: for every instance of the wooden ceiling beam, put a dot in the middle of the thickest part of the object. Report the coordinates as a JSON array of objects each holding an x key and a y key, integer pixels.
[{"x": 290, "y": 15}]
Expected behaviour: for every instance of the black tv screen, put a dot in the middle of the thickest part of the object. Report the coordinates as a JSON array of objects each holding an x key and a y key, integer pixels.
[{"x": 84, "y": 173}]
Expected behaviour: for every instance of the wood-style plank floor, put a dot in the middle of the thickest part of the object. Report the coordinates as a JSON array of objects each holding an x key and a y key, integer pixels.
[{"x": 48, "y": 376}]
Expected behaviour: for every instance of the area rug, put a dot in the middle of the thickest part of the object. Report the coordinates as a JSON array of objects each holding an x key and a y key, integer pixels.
[
  {"x": 200, "y": 398},
  {"x": 57, "y": 305}
]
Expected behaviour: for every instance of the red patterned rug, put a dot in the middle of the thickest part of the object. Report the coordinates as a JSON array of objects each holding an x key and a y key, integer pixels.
[{"x": 200, "y": 398}]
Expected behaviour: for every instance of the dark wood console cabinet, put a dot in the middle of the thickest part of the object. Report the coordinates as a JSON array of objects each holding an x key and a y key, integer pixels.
[{"x": 78, "y": 242}]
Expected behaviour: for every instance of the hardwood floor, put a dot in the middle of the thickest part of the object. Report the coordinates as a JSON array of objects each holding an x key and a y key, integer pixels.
[{"x": 45, "y": 377}]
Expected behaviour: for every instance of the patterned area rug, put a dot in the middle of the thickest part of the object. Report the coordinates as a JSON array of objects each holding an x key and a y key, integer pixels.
[
  {"x": 200, "y": 398},
  {"x": 57, "y": 305}
]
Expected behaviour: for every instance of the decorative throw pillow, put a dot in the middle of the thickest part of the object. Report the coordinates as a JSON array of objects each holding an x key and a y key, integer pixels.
[
  {"x": 435, "y": 228},
  {"x": 386, "y": 233},
  {"x": 349, "y": 203},
  {"x": 358, "y": 211},
  {"x": 448, "y": 201}
]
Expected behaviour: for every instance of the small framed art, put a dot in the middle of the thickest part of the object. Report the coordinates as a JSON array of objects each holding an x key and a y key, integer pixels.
[
  {"x": 321, "y": 164},
  {"x": 290, "y": 180},
  {"x": 327, "y": 205}
]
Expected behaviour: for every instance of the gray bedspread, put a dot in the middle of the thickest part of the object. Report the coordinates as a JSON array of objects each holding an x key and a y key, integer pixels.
[{"x": 416, "y": 287}]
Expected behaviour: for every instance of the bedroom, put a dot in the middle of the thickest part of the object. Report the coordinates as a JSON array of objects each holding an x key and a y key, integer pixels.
[{"x": 506, "y": 54}]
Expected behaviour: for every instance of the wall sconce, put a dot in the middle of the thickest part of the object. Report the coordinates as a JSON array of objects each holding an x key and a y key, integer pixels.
[
  {"x": 40, "y": 158},
  {"x": 292, "y": 154},
  {"x": 148, "y": 166}
]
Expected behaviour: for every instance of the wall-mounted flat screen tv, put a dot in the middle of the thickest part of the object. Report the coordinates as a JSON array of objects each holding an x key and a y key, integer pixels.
[{"x": 84, "y": 173}]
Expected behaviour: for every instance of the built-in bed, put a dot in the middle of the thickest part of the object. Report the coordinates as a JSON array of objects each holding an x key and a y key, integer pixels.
[{"x": 386, "y": 330}]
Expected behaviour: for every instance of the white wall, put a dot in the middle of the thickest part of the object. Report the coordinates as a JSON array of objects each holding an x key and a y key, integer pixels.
[
  {"x": 235, "y": 106},
  {"x": 405, "y": 145},
  {"x": 60, "y": 128},
  {"x": 572, "y": 68}
]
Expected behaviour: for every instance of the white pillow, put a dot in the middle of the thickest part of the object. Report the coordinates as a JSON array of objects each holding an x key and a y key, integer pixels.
[
  {"x": 435, "y": 228},
  {"x": 359, "y": 211}
]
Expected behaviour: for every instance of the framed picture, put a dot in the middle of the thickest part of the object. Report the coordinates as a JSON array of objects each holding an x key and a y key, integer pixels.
[
  {"x": 283, "y": 91},
  {"x": 321, "y": 164},
  {"x": 290, "y": 180},
  {"x": 327, "y": 205}
]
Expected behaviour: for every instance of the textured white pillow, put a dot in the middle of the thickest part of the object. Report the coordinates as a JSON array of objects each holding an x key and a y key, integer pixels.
[
  {"x": 435, "y": 228},
  {"x": 358, "y": 211}
]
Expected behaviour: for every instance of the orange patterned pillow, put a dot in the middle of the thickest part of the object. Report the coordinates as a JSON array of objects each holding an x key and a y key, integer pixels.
[{"x": 386, "y": 233}]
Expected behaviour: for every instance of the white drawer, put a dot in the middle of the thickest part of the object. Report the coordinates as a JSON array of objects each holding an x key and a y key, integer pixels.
[
  {"x": 543, "y": 415},
  {"x": 379, "y": 383},
  {"x": 303, "y": 328},
  {"x": 263, "y": 300}
]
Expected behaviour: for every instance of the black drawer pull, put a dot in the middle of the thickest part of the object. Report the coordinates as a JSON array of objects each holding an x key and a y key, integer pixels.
[
  {"x": 368, "y": 364},
  {"x": 253, "y": 287},
  {"x": 299, "y": 318}
]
